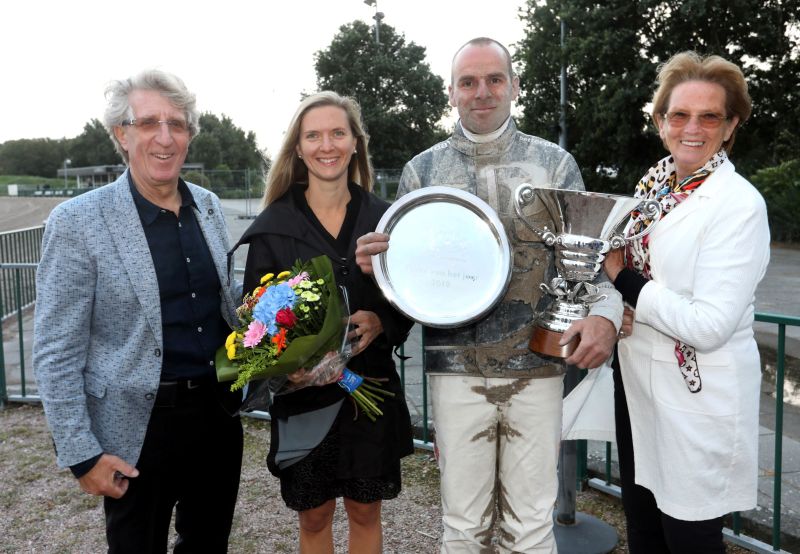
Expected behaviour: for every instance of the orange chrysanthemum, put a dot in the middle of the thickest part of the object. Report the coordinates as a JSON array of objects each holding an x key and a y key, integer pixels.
[{"x": 279, "y": 340}]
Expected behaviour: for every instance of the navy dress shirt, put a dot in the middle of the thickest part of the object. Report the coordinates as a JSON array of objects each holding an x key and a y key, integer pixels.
[{"x": 189, "y": 287}]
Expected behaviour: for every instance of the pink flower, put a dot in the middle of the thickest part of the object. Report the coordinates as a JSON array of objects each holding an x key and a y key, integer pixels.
[
  {"x": 255, "y": 332},
  {"x": 286, "y": 318},
  {"x": 297, "y": 278}
]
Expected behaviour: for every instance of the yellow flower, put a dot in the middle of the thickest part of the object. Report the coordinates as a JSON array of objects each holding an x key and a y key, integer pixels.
[
  {"x": 229, "y": 341},
  {"x": 266, "y": 278},
  {"x": 231, "y": 351},
  {"x": 283, "y": 275}
]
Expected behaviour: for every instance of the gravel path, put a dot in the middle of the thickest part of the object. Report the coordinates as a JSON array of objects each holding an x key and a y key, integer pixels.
[{"x": 42, "y": 510}]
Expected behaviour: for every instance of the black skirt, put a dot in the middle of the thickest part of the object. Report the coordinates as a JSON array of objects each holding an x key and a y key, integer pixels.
[{"x": 358, "y": 458}]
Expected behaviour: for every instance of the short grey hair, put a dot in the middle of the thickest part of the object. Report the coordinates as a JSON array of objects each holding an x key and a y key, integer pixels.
[{"x": 170, "y": 86}]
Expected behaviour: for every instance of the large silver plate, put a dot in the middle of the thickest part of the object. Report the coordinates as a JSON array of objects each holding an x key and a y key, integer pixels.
[{"x": 449, "y": 260}]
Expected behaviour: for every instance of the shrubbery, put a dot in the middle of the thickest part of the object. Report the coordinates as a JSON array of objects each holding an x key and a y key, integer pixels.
[{"x": 780, "y": 186}]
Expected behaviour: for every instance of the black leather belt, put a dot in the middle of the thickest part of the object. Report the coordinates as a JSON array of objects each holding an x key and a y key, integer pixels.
[
  {"x": 182, "y": 391},
  {"x": 187, "y": 384}
]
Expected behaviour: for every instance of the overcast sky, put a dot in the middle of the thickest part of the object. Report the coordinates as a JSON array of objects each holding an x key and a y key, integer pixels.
[{"x": 249, "y": 60}]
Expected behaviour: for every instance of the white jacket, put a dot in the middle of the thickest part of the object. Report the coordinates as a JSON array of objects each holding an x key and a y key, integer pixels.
[{"x": 698, "y": 452}]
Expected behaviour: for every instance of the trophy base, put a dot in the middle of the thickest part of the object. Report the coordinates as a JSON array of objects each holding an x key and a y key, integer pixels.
[{"x": 545, "y": 342}]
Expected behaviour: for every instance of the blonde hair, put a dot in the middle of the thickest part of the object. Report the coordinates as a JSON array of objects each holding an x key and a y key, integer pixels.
[
  {"x": 691, "y": 66},
  {"x": 288, "y": 168}
]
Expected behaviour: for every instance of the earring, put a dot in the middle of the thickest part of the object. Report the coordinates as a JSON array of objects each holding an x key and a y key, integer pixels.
[
  {"x": 355, "y": 151},
  {"x": 300, "y": 156}
]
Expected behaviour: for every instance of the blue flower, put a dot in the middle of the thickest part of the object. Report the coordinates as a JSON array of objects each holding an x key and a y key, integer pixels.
[{"x": 274, "y": 299}]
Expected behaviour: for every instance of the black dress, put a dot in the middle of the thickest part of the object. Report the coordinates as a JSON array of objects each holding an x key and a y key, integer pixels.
[{"x": 358, "y": 458}]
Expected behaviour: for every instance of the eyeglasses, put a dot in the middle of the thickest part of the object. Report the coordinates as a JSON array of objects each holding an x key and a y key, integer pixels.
[
  {"x": 707, "y": 120},
  {"x": 153, "y": 125}
]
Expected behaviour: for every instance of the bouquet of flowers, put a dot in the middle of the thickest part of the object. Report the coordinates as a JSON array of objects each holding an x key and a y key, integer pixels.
[{"x": 291, "y": 321}]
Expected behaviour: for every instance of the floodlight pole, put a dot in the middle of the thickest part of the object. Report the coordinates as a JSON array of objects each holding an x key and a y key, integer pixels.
[
  {"x": 377, "y": 17},
  {"x": 575, "y": 532},
  {"x": 66, "y": 163}
]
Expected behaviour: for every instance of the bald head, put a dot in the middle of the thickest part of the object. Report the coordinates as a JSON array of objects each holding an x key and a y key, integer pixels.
[
  {"x": 482, "y": 85},
  {"x": 482, "y": 41}
]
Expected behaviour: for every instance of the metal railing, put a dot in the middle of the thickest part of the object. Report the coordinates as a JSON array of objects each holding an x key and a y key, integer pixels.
[
  {"x": 735, "y": 535},
  {"x": 17, "y": 276},
  {"x": 22, "y": 246},
  {"x": 18, "y": 310}
]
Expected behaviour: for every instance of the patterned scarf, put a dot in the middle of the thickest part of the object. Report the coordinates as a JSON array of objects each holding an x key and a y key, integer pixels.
[{"x": 661, "y": 183}]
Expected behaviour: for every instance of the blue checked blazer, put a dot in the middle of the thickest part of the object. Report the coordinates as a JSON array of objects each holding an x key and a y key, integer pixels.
[{"x": 97, "y": 347}]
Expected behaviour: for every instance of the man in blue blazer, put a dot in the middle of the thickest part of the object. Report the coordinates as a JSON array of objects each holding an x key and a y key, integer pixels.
[{"x": 133, "y": 299}]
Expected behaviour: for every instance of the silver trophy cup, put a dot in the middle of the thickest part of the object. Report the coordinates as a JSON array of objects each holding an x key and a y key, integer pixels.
[{"x": 587, "y": 226}]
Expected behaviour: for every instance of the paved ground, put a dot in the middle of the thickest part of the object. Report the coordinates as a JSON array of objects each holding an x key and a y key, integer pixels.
[
  {"x": 22, "y": 212},
  {"x": 778, "y": 293}
]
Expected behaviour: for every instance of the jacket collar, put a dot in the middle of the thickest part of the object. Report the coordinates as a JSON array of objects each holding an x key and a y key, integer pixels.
[
  {"x": 475, "y": 150},
  {"x": 284, "y": 218},
  {"x": 125, "y": 227}
]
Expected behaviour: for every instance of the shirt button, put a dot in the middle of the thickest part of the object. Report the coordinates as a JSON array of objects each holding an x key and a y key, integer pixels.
[
  {"x": 194, "y": 295},
  {"x": 180, "y": 224},
  {"x": 199, "y": 329},
  {"x": 210, "y": 211},
  {"x": 211, "y": 362},
  {"x": 149, "y": 396},
  {"x": 157, "y": 352},
  {"x": 345, "y": 271},
  {"x": 188, "y": 260}
]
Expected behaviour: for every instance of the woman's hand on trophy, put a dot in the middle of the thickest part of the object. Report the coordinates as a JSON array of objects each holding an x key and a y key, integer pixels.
[
  {"x": 614, "y": 263},
  {"x": 627, "y": 323}
]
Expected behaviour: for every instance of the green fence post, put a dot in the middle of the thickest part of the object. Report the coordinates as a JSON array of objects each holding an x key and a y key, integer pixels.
[
  {"x": 3, "y": 389},
  {"x": 776, "y": 495},
  {"x": 403, "y": 365},
  {"x": 425, "y": 434},
  {"x": 18, "y": 287}
]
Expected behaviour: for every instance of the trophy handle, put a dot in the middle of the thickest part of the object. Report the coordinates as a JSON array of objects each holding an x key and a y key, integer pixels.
[
  {"x": 650, "y": 209},
  {"x": 524, "y": 195}
]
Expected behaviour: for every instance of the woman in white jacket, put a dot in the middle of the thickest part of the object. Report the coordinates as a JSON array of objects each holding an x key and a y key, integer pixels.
[{"x": 686, "y": 396}]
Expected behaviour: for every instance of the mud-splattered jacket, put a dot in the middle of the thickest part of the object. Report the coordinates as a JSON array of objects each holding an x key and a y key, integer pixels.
[{"x": 497, "y": 345}]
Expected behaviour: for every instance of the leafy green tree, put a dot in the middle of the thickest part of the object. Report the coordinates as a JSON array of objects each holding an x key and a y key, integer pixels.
[
  {"x": 612, "y": 52},
  {"x": 205, "y": 149},
  {"x": 780, "y": 186},
  {"x": 222, "y": 142},
  {"x": 197, "y": 178},
  {"x": 401, "y": 100},
  {"x": 42, "y": 157},
  {"x": 92, "y": 147}
]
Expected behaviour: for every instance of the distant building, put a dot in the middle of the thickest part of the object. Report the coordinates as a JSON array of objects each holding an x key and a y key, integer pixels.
[{"x": 98, "y": 175}]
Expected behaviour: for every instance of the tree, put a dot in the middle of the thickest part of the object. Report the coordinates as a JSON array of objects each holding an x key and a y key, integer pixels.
[
  {"x": 222, "y": 142},
  {"x": 612, "y": 53},
  {"x": 401, "y": 100},
  {"x": 780, "y": 186},
  {"x": 92, "y": 147},
  {"x": 41, "y": 157}
]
